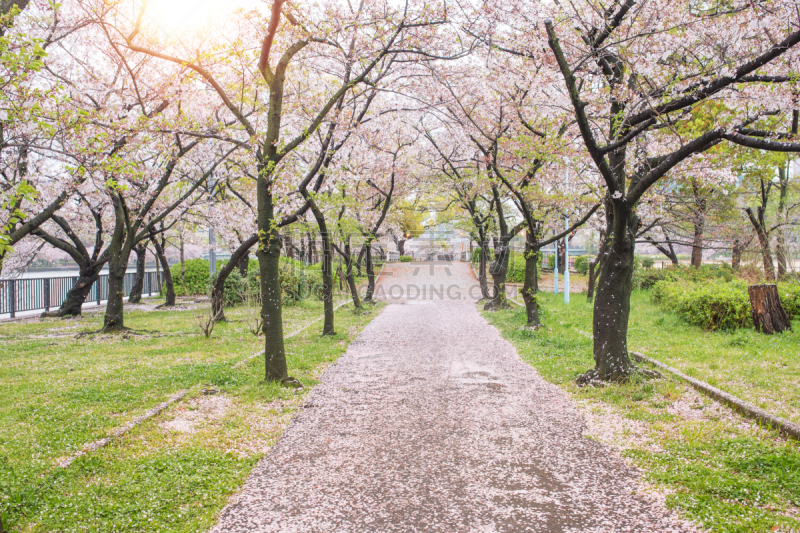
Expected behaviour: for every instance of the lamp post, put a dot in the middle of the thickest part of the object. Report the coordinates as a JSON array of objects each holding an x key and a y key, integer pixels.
[
  {"x": 566, "y": 242},
  {"x": 555, "y": 270}
]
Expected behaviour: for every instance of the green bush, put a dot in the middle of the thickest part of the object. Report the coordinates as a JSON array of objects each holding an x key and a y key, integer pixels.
[
  {"x": 712, "y": 305},
  {"x": 551, "y": 261},
  {"x": 647, "y": 262},
  {"x": 790, "y": 298},
  {"x": 406, "y": 259},
  {"x": 582, "y": 264},
  {"x": 197, "y": 277},
  {"x": 648, "y": 278}
]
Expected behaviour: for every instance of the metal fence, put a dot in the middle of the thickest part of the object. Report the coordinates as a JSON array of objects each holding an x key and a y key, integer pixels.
[{"x": 44, "y": 294}]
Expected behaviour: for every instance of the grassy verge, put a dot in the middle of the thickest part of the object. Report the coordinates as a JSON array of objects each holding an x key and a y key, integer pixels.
[
  {"x": 172, "y": 473},
  {"x": 722, "y": 472}
]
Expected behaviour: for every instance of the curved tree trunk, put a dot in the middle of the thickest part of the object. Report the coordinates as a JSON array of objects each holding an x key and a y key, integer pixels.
[
  {"x": 161, "y": 257},
  {"x": 136, "y": 291},
  {"x": 242, "y": 253},
  {"x": 76, "y": 297},
  {"x": 244, "y": 263},
  {"x": 351, "y": 282},
  {"x": 612, "y": 303}
]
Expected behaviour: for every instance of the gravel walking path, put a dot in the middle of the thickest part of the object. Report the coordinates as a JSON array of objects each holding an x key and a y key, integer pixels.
[{"x": 431, "y": 423}]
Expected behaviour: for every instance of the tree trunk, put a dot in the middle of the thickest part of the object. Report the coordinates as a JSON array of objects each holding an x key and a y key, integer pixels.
[
  {"x": 269, "y": 255},
  {"x": 530, "y": 289},
  {"x": 697, "y": 242},
  {"x": 114, "y": 319},
  {"x": 370, "y": 273},
  {"x": 736, "y": 254},
  {"x": 612, "y": 303},
  {"x": 76, "y": 296},
  {"x": 289, "y": 247},
  {"x": 780, "y": 255},
  {"x": 592, "y": 275},
  {"x": 351, "y": 282},
  {"x": 183, "y": 265},
  {"x": 242, "y": 253},
  {"x": 562, "y": 256},
  {"x": 482, "y": 277},
  {"x": 769, "y": 316},
  {"x": 327, "y": 276},
  {"x": 119, "y": 251},
  {"x": 499, "y": 270},
  {"x": 312, "y": 252},
  {"x": 401, "y": 246},
  {"x": 136, "y": 291},
  {"x": 244, "y": 264},
  {"x": 161, "y": 258}
]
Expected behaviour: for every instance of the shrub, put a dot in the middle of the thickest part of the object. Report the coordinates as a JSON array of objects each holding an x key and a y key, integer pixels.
[
  {"x": 406, "y": 259},
  {"x": 648, "y": 278},
  {"x": 647, "y": 262},
  {"x": 790, "y": 298},
  {"x": 197, "y": 276},
  {"x": 551, "y": 261},
  {"x": 712, "y": 305},
  {"x": 582, "y": 264}
]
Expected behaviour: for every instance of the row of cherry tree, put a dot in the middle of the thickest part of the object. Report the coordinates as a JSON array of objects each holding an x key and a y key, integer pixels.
[{"x": 339, "y": 116}]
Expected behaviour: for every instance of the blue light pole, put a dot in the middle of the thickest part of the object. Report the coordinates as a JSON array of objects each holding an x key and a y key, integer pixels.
[
  {"x": 555, "y": 270},
  {"x": 566, "y": 262}
]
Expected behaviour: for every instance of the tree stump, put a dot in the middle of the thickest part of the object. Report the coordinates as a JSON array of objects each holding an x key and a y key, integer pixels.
[{"x": 769, "y": 316}]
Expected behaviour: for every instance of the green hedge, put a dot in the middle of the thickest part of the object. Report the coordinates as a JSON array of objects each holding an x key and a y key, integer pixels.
[
  {"x": 582, "y": 264},
  {"x": 718, "y": 304},
  {"x": 406, "y": 259},
  {"x": 197, "y": 276}
]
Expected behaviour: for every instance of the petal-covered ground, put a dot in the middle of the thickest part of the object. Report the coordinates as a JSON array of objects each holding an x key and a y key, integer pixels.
[{"x": 431, "y": 423}]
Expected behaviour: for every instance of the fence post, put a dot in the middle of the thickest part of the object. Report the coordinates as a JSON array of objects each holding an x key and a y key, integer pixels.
[
  {"x": 12, "y": 294},
  {"x": 47, "y": 294},
  {"x": 99, "y": 283}
]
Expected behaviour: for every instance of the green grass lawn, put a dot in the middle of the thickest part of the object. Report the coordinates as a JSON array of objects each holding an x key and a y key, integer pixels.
[
  {"x": 172, "y": 473},
  {"x": 725, "y": 473}
]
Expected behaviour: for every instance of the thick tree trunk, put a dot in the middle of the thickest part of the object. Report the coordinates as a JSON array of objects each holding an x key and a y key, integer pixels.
[
  {"x": 612, "y": 303},
  {"x": 269, "y": 255},
  {"x": 76, "y": 297},
  {"x": 562, "y": 256},
  {"x": 499, "y": 270},
  {"x": 136, "y": 291},
  {"x": 530, "y": 288},
  {"x": 401, "y": 246},
  {"x": 769, "y": 316},
  {"x": 114, "y": 319},
  {"x": 161, "y": 258}
]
